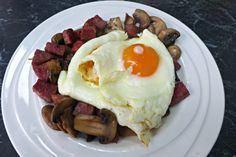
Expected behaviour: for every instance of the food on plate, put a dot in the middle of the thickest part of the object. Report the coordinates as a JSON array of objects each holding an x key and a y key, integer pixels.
[{"x": 105, "y": 80}]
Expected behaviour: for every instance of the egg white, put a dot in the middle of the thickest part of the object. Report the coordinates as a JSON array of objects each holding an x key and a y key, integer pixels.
[{"x": 138, "y": 102}]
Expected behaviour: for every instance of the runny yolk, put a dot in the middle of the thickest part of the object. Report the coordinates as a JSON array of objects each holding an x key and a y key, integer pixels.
[{"x": 144, "y": 60}]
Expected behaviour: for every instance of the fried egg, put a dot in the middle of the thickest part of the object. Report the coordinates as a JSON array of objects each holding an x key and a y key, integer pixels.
[{"x": 134, "y": 78}]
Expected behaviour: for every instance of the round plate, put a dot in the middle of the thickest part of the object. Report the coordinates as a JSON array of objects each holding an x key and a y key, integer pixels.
[{"x": 190, "y": 130}]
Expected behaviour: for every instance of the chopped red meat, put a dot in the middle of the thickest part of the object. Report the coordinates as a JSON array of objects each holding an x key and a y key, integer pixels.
[
  {"x": 99, "y": 22},
  {"x": 76, "y": 45},
  {"x": 77, "y": 33},
  {"x": 69, "y": 36},
  {"x": 96, "y": 21},
  {"x": 131, "y": 30},
  {"x": 41, "y": 71},
  {"x": 180, "y": 93},
  {"x": 41, "y": 57},
  {"x": 84, "y": 108},
  {"x": 87, "y": 33},
  {"x": 55, "y": 49},
  {"x": 89, "y": 22},
  {"x": 176, "y": 64},
  {"x": 44, "y": 89}
]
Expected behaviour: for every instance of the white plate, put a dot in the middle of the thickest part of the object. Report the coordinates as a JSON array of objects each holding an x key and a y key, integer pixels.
[{"x": 190, "y": 130}]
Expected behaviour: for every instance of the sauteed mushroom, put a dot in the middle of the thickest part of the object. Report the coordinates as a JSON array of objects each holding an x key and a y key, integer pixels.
[
  {"x": 46, "y": 114},
  {"x": 168, "y": 36},
  {"x": 141, "y": 18},
  {"x": 114, "y": 24},
  {"x": 104, "y": 125},
  {"x": 60, "y": 107},
  {"x": 67, "y": 122},
  {"x": 174, "y": 51},
  {"x": 157, "y": 25}
]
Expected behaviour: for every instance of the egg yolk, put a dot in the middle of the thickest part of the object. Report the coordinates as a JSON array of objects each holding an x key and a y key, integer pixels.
[{"x": 144, "y": 60}]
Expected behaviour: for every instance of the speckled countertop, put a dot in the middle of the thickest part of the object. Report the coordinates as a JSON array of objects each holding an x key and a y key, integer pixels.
[{"x": 214, "y": 21}]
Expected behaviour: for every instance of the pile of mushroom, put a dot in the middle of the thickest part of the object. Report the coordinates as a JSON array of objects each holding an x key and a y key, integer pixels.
[{"x": 140, "y": 21}]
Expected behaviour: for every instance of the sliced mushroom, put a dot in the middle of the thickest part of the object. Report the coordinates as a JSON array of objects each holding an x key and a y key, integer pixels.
[
  {"x": 141, "y": 18},
  {"x": 60, "y": 107},
  {"x": 58, "y": 38},
  {"x": 174, "y": 51},
  {"x": 114, "y": 24},
  {"x": 97, "y": 126},
  {"x": 46, "y": 114},
  {"x": 168, "y": 36},
  {"x": 125, "y": 131},
  {"x": 60, "y": 126},
  {"x": 157, "y": 25},
  {"x": 128, "y": 20},
  {"x": 67, "y": 122},
  {"x": 53, "y": 70}
]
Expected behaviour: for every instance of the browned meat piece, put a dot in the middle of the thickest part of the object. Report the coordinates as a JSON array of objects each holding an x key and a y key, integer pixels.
[
  {"x": 176, "y": 64},
  {"x": 87, "y": 33},
  {"x": 76, "y": 45},
  {"x": 48, "y": 71},
  {"x": 55, "y": 49},
  {"x": 77, "y": 33},
  {"x": 180, "y": 93},
  {"x": 44, "y": 89},
  {"x": 96, "y": 21},
  {"x": 131, "y": 30},
  {"x": 41, "y": 71},
  {"x": 41, "y": 57},
  {"x": 69, "y": 36},
  {"x": 99, "y": 22},
  {"x": 84, "y": 108}
]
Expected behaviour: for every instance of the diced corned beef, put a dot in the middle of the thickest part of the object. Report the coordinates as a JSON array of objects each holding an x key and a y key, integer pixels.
[
  {"x": 69, "y": 36},
  {"x": 41, "y": 57},
  {"x": 55, "y": 48},
  {"x": 176, "y": 64},
  {"x": 41, "y": 71},
  {"x": 77, "y": 33},
  {"x": 99, "y": 22},
  {"x": 131, "y": 30},
  {"x": 87, "y": 33},
  {"x": 180, "y": 93},
  {"x": 44, "y": 89},
  {"x": 89, "y": 22},
  {"x": 84, "y": 108},
  {"x": 76, "y": 45},
  {"x": 96, "y": 21}
]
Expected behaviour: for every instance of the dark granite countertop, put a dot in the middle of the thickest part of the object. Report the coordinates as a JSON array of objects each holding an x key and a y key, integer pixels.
[{"x": 214, "y": 21}]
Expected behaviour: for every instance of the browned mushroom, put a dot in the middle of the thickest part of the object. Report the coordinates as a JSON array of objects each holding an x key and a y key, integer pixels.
[
  {"x": 67, "y": 122},
  {"x": 100, "y": 126},
  {"x": 168, "y": 36},
  {"x": 114, "y": 24},
  {"x": 58, "y": 38},
  {"x": 60, "y": 126},
  {"x": 157, "y": 25},
  {"x": 46, "y": 114},
  {"x": 53, "y": 70},
  {"x": 141, "y": 18},
  {"x": 174, "y": 51},
  {"x": 60, "y": 107},
  {"x": 125, "y": 131},
  {"x": 128, "y": 20}
]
